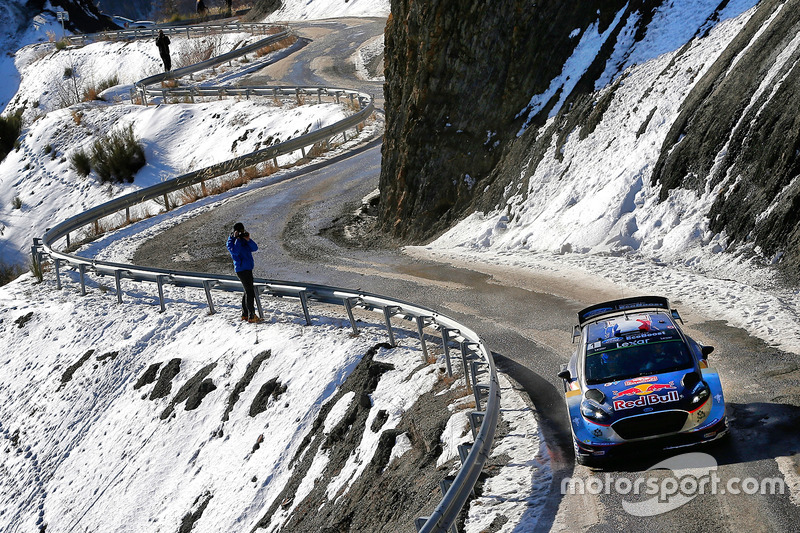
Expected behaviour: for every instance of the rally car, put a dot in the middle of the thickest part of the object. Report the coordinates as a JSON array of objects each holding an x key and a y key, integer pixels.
[{"x": 636, "y": 379}]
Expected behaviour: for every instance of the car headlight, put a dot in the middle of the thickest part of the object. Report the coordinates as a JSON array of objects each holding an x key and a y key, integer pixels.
[
  {"x": 700, "y": 393},
  {"x": 594, "y": 411}
]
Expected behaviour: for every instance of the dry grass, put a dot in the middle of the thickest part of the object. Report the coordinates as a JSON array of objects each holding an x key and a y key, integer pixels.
[
  {"x": 77, "y": 117},
  {"x": 190, "y": 194},
  {"x": 169, "y": 84},
  {"x": 278, "y": 45},
  {"x": 317, "y": 150},
  {"x": 90, "y": 94}
]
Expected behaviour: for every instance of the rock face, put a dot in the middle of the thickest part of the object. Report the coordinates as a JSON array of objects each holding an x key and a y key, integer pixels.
[
  {"x": 262, "y": 8},
  {"x": 757, "y": 137},
  {"x": 466, "y": 132},
  {"x": 458, "y": 76}
]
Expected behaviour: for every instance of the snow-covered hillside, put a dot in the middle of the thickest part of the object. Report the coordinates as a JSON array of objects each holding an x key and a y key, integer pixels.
[
  {"x": 322, "y": 9},
  {"x": 84, "y": 431},
  {"x": 177, "y": 138},
  {"x": 590, "y": 204}
]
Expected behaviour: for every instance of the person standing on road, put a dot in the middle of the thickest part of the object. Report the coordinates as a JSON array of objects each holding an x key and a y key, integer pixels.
[
  {"x": 200, "y": 7},
  {"x": 241, "y": 248},
  {"x": 162, "y": 42}
]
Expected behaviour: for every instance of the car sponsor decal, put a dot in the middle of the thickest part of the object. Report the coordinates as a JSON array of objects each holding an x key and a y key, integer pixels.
[
  {"x": 643, "y": 379},
  {"x": 644, "y": 389},
  {"x": 650, "y": 399}
]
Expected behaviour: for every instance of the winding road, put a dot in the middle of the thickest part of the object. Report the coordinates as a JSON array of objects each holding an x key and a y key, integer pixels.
[{"x": 526, "y": 317}]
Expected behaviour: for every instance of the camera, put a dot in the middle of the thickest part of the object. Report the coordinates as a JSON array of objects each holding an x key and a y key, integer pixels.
[{"x": 245, "y": 234}]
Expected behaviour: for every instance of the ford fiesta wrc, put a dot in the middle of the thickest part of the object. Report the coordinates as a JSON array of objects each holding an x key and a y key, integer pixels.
[{"x": 637, "y": 380}]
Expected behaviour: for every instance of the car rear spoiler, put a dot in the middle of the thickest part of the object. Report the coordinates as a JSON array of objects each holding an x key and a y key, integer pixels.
[{"x": 625, "y": 304}]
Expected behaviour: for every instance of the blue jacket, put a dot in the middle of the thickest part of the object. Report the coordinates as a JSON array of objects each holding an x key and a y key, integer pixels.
[{"x": 242, "y": 253}]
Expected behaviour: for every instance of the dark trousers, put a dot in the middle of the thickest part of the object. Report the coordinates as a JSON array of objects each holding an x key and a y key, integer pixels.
[
  {"x": 249, "y": 296},
  {"x": 167, "y": 61}
]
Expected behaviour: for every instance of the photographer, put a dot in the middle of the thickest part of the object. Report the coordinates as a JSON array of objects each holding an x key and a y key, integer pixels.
[{"x": 241, "y": 248}]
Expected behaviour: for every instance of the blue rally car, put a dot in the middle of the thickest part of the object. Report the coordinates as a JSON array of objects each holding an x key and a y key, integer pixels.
[{"x": 636, "y": 379}]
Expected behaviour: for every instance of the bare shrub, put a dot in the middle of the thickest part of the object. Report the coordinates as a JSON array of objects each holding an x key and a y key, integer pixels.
[
  {"x": 8, "y": 273},
  {"x": 10, "y": 128},
  {"x": 81, "y": 163},
  {"x": 199, "y": 50},
  {"x": 117, "y": 157}
]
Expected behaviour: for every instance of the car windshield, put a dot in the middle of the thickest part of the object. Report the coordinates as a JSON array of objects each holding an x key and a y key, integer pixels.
[{"x": 624, "y": 362}]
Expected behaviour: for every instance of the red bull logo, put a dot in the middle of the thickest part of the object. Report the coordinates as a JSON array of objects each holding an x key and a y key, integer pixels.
[
  {"x": 643, "y": 401},
  {"x": 644, "y": 389}
]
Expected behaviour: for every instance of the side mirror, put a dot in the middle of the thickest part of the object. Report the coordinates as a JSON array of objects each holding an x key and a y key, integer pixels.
[
  {"x": 564, "y": 373},
  {"x": 706, "y": 350},
  {"x": 576, "y": 333},
  {"x": 675, "y": 315}
]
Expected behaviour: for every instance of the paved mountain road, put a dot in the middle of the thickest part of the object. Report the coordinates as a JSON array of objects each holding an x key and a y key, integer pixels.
[{"x": 525, "y": 317}]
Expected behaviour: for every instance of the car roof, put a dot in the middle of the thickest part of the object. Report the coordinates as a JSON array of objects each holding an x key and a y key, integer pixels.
[{"x": 615, "y": 332}]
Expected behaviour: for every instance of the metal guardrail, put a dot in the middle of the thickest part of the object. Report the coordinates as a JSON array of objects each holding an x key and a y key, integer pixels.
[
  {"x": 195, "y": 30},
  {"x": 474, "y": 354}
]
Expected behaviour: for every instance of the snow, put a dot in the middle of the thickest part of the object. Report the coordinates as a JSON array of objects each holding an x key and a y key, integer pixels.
[
  {"x": 73, "y": 449},
  {"x": 364, "y": 55},
  {"x": 323, "y": 9},
  {"x": 338, "y": 411},
  {"x": 525, "y": 477},
  {"x": 95, "y": 443}
]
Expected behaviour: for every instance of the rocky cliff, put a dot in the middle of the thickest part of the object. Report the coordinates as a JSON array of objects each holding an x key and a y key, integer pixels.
[
  {"x": 487, "y": 103},
  {"x": 458, "y": 75}
]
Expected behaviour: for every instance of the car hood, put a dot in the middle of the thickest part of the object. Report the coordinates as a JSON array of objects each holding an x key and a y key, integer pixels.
[{"x": 645, "y": 394}]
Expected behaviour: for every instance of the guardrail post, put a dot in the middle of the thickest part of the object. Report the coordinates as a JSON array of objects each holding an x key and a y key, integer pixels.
[
  {"x": 207, "y": 284},
  {"x": 128, "y": 214},
  {"x": 464, "y": 364},
  {"x": 348, "y": 304},
  {"x": 166, "y": 201},
  {"x": 35, "y": 253},
  {"x": 474, "y": 422},
  {"x": 446, "y": 344},
  {"x": 304, "y": 303},
  {"x": 420, "y": 522},
  {"x": 477, "y": 388},
  {"x": 67, "y": 239},
  {"x": 388, "y": 311},
  {"x": 421, "y": 323},
  {"x": 303, "y": 151},
  {"x": 82, "y": 275},
  {"x": 57, "y": 264},
  {"x": 463, "y": 452},
  {"x": 160, "y": 283},
  {"x": 444, "y": 486},
  {"x": 118, "y": 285}
]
